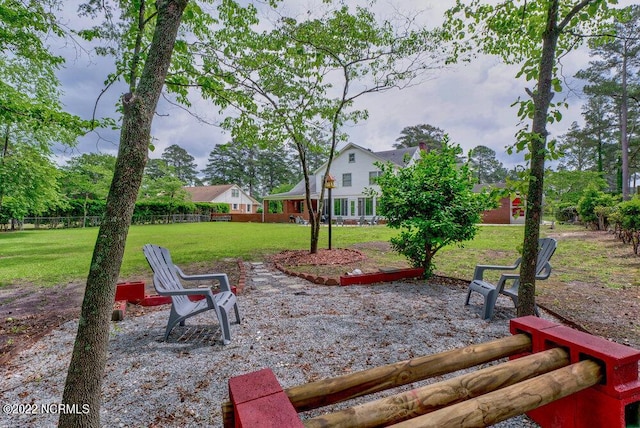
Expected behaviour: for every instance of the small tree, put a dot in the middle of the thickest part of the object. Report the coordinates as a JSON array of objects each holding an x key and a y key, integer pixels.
[
  {"x": 589, "y": 207},
  {"x": 432, "y": 202}
]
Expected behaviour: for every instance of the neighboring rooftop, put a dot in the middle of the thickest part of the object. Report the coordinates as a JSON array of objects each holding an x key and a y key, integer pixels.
[{"x": 207, "y": 193}]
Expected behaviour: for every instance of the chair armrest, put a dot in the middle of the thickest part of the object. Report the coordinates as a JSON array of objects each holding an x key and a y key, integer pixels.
[
  {"x": 504, "y": 278},
  {"x": 222, "y": 278},
  {"x": 479, "y": 271},
  {"x": 187, "y": 292},
  {"x": 546, "y": 272}
]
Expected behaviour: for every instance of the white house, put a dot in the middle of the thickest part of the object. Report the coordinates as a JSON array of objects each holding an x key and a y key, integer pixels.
[
  {"x": 239, "y": 201},
  {"x": 355, "y": 171}
]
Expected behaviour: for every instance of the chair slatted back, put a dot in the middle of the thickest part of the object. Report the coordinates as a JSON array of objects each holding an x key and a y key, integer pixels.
[
  {"x": 165, "y": 276},
  {"x": 546, "y": 248}
]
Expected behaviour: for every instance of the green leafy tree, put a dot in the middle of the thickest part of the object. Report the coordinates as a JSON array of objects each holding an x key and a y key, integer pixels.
[
  {"x": 432, "y": 203},
  {"x": 251, "y": 167},
  {"x": 275, "y": 169},
  {"x": 591, "y": 199},
  {"x": 486, "y": 167},
  {"x": 569, "y": 186},
  {"x": 600, "y": 125},
  {"x": 564, "y": 188},
  {"x": 225, "y": 165},
  {"x": 167, "y": 187},
  {"x": 535, "y": 35},
  {"x": 88, "y": 177},
  {"x": 411, "y": 136},
  {"x": 619, "y": 57},
  {"x": 304, "y": 76},
  {"x": 629, "y": 219},
  {"x": 183, "y": 164},
  {"x": 30, "y": 109},
  {"x": 28, "y": 178},
  {"x": 577, "y": 150},
  {"x": 155, "y": 169}
]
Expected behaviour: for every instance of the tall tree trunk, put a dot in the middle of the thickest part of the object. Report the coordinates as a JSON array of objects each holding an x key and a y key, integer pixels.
[
  {"x": 624, "y": 138},
  {"x": 538, "y": 144},
  {"x": 84, "y": 378},
  {"x": 3, "y": 155}
]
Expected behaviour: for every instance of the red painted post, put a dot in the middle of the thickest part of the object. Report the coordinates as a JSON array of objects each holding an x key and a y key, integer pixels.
[
  {"x": 130, "y": 291},
  {"x": 613, "y": 403},
  {"x": 259, "y": 401}
]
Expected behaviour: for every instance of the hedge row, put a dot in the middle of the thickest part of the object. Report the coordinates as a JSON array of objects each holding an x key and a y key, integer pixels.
[{"x": 77, "y": 207}]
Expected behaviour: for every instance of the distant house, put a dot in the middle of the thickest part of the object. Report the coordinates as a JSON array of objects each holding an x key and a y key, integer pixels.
[
  {"x": 239, "y": 201},
  {"x": 355, "y": 171},
  {"x": 510, "y": 211}
]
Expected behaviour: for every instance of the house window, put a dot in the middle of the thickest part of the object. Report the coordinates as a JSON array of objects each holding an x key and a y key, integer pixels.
[
  {"x": 340, "y": 206},
  {"x": 365, "y": 206},
  {"x": 373, "y": 176},
  {"x": 235, "y": 207},
  {"x": 248, "y": 208},
  {"x": 235, "y": 193},
  {"x": 346, "y": 180},
  {"x": 352, "y": 157}
]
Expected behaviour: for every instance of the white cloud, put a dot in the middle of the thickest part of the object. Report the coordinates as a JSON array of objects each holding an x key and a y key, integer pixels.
[{"x": 470, "y": 102}]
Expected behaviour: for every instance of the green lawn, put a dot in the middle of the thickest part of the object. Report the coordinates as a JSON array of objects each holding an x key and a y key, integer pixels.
[
  {"x": 596, "y": 258},
  {"x": 48, "y": 257}
]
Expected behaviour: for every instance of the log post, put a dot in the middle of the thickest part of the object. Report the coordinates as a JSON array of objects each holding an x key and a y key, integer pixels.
[
  {"x": 513, "y": 400},
  {"x": 410, "y": 404}
]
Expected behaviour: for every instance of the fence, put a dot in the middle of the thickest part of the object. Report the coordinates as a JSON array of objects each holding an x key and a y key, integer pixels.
[{"x": 93, "y": 221}]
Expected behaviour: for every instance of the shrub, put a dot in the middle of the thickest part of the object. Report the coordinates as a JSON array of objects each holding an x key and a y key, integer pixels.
[
  {"x": 630, "y": 222},
  {"x": 592, "y": 198},
  {"x": 567, "y": 213},
  {"x": 433, "y": 204}
]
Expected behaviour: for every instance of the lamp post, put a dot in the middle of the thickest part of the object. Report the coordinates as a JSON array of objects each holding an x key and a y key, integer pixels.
[{"x": 330, "y": 183}]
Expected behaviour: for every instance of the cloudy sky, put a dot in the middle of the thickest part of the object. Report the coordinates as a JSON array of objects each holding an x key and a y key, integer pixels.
[{"x": 470, "y": 102}]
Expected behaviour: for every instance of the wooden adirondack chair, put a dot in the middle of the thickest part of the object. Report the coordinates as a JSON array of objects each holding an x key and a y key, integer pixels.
[
  {"x": 547, "y": 246},
  {"x": 167, "y": 280}
]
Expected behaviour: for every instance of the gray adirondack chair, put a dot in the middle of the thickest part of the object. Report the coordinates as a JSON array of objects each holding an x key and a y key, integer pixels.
[
  {"x": 547, "y": 246},
  {"x": 167, "y": 280}
]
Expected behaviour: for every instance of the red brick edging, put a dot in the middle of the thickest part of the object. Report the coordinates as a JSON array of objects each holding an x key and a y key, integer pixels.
[{"x": 361, "y": 279}]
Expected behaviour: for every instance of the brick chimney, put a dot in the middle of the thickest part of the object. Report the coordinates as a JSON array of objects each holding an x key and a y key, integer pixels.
[{"x": 423, "y": 146}]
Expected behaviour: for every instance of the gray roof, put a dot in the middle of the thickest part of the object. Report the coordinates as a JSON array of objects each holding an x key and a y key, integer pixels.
[{"x": 398, "y": 156}]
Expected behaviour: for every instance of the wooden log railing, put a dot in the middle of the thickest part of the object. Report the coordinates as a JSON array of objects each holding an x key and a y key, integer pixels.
[
  {"x": 334, "y": 390},
  {"x": 513, "y": 400},
  {"x": 420, "y": 401}
]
